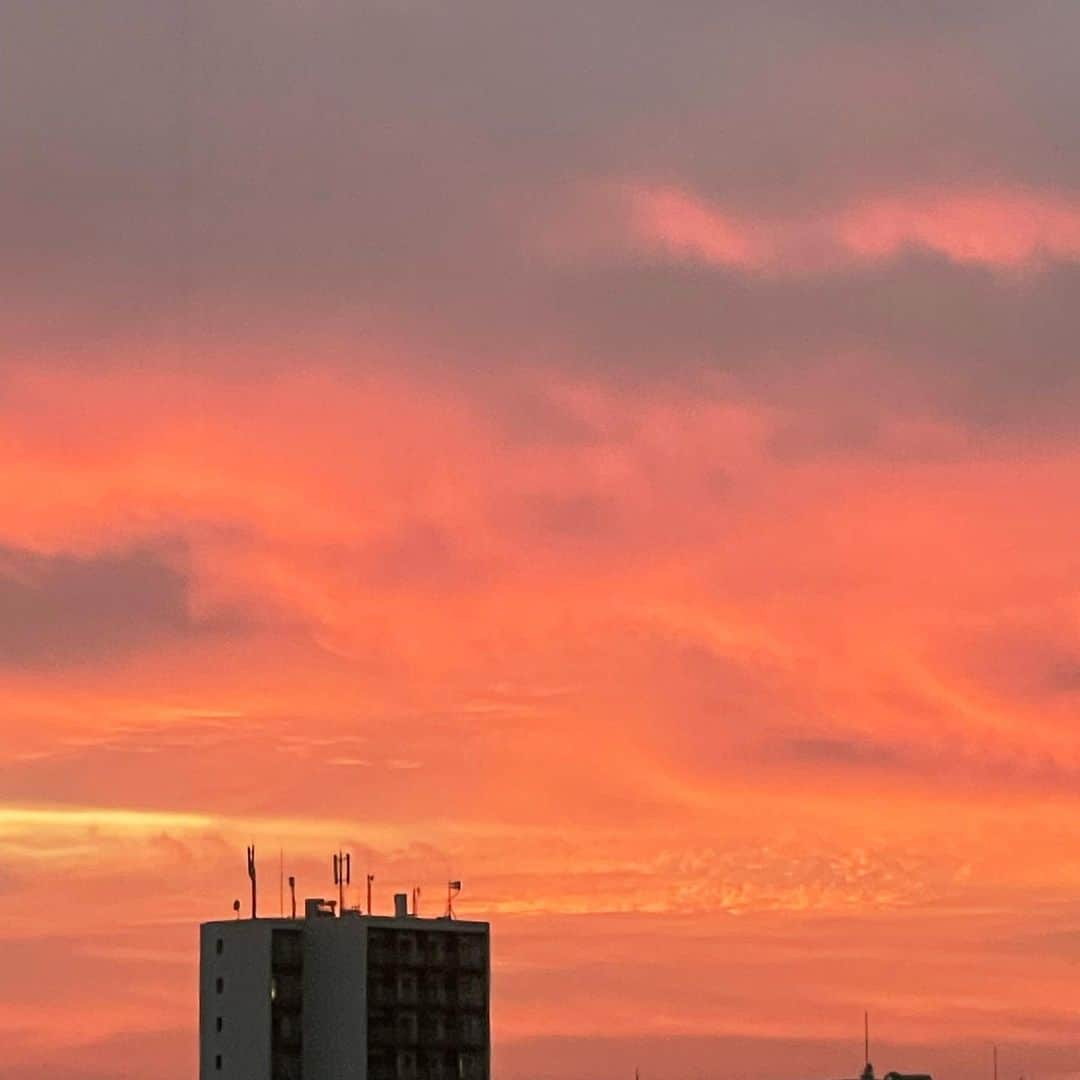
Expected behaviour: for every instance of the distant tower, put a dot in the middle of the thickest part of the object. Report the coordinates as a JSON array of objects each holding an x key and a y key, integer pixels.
[{"x": 868, "y": 1069}]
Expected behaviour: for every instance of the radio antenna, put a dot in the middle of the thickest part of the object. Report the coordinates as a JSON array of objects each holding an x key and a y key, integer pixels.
[
  {"x": 342, "y": 877},
  {"x": 251, "y": 874}
]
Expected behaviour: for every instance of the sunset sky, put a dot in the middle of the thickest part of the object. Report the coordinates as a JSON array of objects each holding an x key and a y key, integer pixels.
[{"x": 623, "y": 454}]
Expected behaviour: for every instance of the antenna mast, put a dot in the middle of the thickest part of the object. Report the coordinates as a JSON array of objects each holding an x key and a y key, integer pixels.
[
  {"x": 452, "y": 889},
  {"x": 868, "y": 1069},
  {"x": 342, "y": 877},
  {"x": 251, "y": 874},
  {"x": 370, "y": 879},
  {"x": 292, "y": 893}
]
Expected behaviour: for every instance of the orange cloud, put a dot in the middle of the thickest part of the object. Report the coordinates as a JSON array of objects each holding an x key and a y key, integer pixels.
[{"x": 638, "y": 664}]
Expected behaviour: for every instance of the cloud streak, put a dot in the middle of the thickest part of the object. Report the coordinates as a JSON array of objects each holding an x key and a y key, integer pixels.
[{"x": 1003, "y": 231}]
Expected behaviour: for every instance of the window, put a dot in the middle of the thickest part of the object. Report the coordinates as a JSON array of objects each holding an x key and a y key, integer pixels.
[
  {"x": 220, "y": 946},
  {"x": 219, "y": 1022},
  {"x": 217, "y": 1063},
  {"x": 220, "y": 984}
]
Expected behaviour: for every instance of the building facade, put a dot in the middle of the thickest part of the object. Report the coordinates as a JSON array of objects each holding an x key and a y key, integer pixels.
[{"x": 356, "y": 997}]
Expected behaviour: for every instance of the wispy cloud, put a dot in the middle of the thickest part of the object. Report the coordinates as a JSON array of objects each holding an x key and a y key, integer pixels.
[{"x": 1001, "y": 230}]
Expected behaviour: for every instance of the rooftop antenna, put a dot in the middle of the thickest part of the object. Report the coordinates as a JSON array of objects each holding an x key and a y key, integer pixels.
[
  {"x": 452, "y": 889},
  {"x": 292, "y": 893},
  {"x": 251, "y": 874},
  {"x": 370, "y": 879},
  {"x": 281, "y": 882},
  {"x": 342, "y": 877}
]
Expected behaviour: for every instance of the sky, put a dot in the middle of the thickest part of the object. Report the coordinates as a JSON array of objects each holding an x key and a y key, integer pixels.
[{"x": 622, "y": 455}]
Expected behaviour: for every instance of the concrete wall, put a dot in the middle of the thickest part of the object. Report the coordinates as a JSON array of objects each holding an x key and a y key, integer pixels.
[
  {"x": 243, "y": 1004},
  {"x": 335, "y": 999}
]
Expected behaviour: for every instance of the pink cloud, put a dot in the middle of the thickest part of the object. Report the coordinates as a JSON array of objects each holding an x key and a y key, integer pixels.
[{"x": 1000, "y": 229}]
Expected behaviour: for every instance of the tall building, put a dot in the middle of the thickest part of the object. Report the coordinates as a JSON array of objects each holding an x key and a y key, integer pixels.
[{"x": 355, "y": 997}]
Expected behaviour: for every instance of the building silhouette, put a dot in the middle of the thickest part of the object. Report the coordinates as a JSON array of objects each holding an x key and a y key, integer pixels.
[{"x": 349, "y": 997}]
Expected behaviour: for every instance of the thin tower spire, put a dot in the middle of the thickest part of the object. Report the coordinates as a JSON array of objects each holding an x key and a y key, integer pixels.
[{"x": 868, "y": 1069}]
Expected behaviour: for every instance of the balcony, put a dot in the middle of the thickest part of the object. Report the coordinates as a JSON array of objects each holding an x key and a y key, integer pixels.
[
  {"x": 471, "y": 1067},
  {"x": 470, "y": 993},
  {"x": 406, "y": 1028},
  {"x": 406, "y": 1066},
  {"x": 286, "y": 951},
  {"x": 407, "y": 948},
  {"x": 435, "y": 991},
  {"x": 436, "y": 953},
  {"x": 434, "y": 1030},
  {"x": 408, "y": 991},
  {"x": 472, "y": 951},
  {"x": 286, "y": 992},
  {"x": 472, "y": 1030}
]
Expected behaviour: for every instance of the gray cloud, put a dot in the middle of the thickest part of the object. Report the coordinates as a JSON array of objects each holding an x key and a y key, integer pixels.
[
  {"x": 1027, "y": 657},
  {"x": 64, "y": 610},
  {"x": 202, "y": 173}
]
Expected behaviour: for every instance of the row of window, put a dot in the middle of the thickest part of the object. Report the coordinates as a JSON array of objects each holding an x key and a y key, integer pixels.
[
  {"x": 433, "y": 949},
  {"x": 405, "y": 988},
  {"x": 410, "y": 1065},
  {"x": 469, "y": 1029}
]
